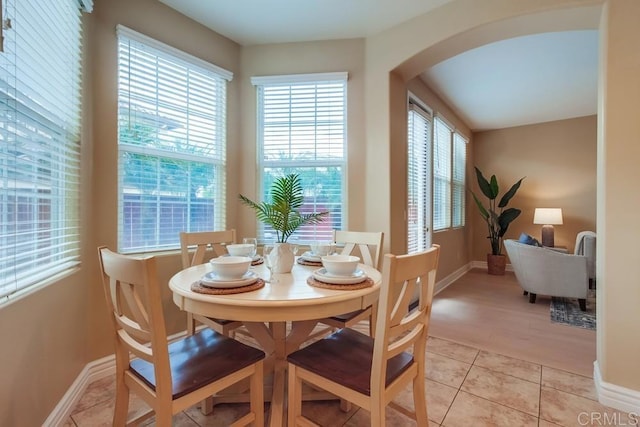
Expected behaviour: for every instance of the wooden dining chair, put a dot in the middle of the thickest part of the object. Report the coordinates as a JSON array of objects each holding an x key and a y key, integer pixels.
[
  {"x": 370, "y": 372},
  {"x": 168, "y": 377},
  {"x": 197, "y": 248},
  {"x": 369, "y": 246}
]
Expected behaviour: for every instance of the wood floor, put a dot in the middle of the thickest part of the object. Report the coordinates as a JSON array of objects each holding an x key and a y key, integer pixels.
[{"x": 490, "y": 313}]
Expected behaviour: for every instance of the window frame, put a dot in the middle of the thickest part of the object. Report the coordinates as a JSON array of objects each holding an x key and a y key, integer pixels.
[
  {"x": 459, "y": 182},
  {"x": 445, "y": 177},
  {"x": 454, "y": 212},
  {"x": 424, "y": 196},
  {"x": 301, "y": 80},
  {"x": 41, "y": 135},
  {"x": 196, "y": 149}
]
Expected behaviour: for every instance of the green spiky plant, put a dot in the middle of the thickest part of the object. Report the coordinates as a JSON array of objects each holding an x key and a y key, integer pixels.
[
  {"x": 282, "y": 213},
  {"x": 497, "y": 221}
]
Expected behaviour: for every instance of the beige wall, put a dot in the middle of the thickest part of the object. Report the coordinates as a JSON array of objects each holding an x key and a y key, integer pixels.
[
  {"x": 151, "y": 18},
  {"x": 52, "y": 333},
  {"x": 155, "y": 20},
  {"x": 462, "y": 24},
  {"x": 558, "y": 161},
  {"x": 44, "y": 331},
  {"x": 43, "y": 339},
  {"x": 618, "y": 264},
  {"x": 304, "y": 58},
  {"x": 401, "y": 53}
]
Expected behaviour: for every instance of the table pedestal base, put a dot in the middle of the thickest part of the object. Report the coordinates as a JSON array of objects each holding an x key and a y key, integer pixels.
[{"x": 277, "y": 343}]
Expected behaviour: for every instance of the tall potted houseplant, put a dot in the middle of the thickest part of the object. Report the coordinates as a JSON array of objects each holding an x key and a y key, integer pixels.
[
  {"x": 283, "y": 216},
  {"x": 497, "y": 218}
]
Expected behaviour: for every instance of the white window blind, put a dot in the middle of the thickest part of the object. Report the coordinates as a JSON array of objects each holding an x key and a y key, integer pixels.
[
  {"x": 172, "y": 144},
  {"x": 458, "y": 180},
  {"x": 40, "y": 81},
  {"x": 302, "y": 130},
  {"x": 419, "y": 179},
  {"x": 442, "y": 175}
]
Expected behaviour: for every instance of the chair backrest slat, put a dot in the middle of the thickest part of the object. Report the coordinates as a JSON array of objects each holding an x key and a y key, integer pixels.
[
  {"x": 402, "y": 295},
  {"x": 134, "y": 346},
  {"x": 204, "y": 241},
  {"x": 369, "y": 244},
  {"x": 133, "y": 304},
  {"x": 402, "y": 344},
  {"x": 133, "y": 328},
  {"x": 397, "y": 329}
]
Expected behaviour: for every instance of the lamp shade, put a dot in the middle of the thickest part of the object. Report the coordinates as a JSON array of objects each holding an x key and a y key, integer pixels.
[{"x": 547, "y": 216}]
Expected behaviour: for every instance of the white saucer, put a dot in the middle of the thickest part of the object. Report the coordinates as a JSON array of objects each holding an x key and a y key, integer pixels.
[
  {"x": 357, "y": 277},
  {"x": 211, "y": 280},
  {"x": 308, "y": 256}
]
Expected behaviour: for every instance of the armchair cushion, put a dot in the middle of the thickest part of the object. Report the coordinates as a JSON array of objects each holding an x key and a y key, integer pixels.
[
  {"x": 548, "y": 272},
  {"x": 528, "y": 240}
]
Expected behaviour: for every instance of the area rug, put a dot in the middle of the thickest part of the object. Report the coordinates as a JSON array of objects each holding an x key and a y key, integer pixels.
[{"x": 567, "y": 311}]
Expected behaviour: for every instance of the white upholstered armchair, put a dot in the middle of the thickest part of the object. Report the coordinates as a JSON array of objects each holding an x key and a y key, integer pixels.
[
  {"x": 547, "y": 272},
  {"x": 586, "y": 245}
]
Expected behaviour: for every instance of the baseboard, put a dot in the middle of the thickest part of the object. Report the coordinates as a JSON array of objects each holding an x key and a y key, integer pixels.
[
  {"x": 483, "y": 265},
  {"x": 93, "y": 371},
  {"x": 615, "y": 396},
  {"x": 444, "y": 283}
]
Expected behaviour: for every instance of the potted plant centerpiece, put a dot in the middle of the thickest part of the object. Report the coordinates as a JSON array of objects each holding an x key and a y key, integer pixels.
[
  {"x": 497, "y": 220},
  {"x": 283, "y": 216}
]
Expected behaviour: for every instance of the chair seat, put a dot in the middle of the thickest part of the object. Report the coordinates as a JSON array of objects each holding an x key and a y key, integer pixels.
[
  {"x": 345, "y": 357},
  {"x": 198, "y": 360}
]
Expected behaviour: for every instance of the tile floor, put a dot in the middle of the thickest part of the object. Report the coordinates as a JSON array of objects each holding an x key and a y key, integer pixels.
[{"x": 465, "y": 387}]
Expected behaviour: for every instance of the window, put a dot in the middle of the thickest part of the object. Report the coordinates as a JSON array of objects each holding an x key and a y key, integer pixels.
[
  {"x": 458, "y": 180},
  {"x": 302, "y": 129},
  {"x": 171, "y": 141},
  {"x": 419, "y": 179},
  {"x": 450, "y": 159},
  {"x": 442, "y": 175},
  {"x": 40, "y": 82},
  {"x": 435, "y": 189}
]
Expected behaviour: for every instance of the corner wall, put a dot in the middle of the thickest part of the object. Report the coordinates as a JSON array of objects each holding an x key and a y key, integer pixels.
[
  {"x": 303, "y": 58},
  {"x": 158, "y": 21},
  {"x": 618, "y": 263}
]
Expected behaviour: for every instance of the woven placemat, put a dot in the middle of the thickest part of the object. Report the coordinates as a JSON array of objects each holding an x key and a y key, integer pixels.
[
  {"x": 312, "y": 281},
  {"x": 302, "y": 261},
  {"x": 199, "y": 288},
  {"x": 258, "y": 261}
]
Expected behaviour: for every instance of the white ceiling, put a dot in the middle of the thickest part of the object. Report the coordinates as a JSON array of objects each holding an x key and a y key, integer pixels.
[
  {"x": 250, "y": 22},
  {"x": 524, "y": 80},
  {"x": 513, "y": 82}
]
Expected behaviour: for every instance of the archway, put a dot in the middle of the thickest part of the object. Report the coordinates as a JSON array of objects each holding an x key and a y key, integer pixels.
[{"x": 399, "y": 54}]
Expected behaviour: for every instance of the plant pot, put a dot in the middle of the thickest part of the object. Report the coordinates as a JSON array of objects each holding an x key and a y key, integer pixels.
[
  {"x": 496, "y": 264},
  {"x": 282, "y": 258}
]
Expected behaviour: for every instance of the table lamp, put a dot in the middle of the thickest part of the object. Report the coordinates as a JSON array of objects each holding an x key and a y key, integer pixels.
[{"x": 548, "y": 217}]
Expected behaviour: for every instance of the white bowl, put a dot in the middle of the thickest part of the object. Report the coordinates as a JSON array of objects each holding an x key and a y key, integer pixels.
[
  {"x": 340, "y": 265},
  {"x": 321, "y": 248},
  {"x": 240, "y": 249},
  {"x": 230, "y": 267}
]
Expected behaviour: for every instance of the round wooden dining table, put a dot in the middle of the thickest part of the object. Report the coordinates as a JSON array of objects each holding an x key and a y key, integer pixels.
[{"x": 280, "y": 316}]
